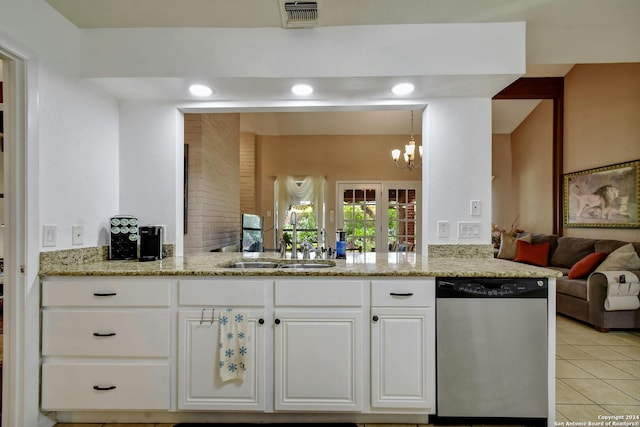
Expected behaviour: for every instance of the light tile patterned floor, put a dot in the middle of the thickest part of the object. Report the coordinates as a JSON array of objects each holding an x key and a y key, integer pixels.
[{"x": 597, "y": 374}]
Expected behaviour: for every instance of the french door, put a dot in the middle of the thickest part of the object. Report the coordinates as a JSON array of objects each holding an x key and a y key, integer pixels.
[{"x": 380, "y": 217}]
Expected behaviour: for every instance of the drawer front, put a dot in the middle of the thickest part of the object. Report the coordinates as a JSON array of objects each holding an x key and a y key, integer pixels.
[
  {"x": 223, "y": 292},
  {"x": 319, "y": 293},
  {"x": 403, "y": 293},
  {"x": 142, "y": 333},
  {"x": 105, "y": 293},
  {"x": 105, "y": 386}
]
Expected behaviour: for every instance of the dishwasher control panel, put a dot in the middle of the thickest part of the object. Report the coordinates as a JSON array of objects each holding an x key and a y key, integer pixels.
[{"x": 472, "y": 287}]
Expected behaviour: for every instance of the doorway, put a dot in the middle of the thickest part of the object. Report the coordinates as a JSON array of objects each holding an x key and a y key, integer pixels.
[
  {"x": 380, "y": 217},
  {"x": 16, "y": 395}
]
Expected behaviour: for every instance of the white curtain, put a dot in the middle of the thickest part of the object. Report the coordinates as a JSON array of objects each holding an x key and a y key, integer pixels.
[{"x": 291, "y": 191}]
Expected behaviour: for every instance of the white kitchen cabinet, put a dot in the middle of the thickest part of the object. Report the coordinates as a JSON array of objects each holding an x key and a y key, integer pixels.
[
  {"x": 318, "y": 341},
  {"x": 105, "y": 344},
  {"x": 403, "y": 345},
  {"x": 200, "y": 303},
  {"x": 200, "y": 386}
]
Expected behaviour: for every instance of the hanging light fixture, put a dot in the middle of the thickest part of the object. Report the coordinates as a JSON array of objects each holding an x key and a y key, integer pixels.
[{"x": 409, "y": 152}]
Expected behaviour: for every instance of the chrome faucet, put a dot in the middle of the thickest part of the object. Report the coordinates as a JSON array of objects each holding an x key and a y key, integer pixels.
[
  {"x": 294, "y": 237},
  {"x": 283, "y": 248},
  {"x": 307, "y": 248}
]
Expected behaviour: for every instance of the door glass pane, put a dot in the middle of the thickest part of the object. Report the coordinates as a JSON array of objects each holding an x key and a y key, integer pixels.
[
  {"x": 359, "y": 213},
  {"x": 402, "y": 219}
]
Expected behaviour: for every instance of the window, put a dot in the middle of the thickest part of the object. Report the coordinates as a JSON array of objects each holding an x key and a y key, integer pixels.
[
  {"x": 305, "y": 197},
  {"x": 307, "y": 229}
]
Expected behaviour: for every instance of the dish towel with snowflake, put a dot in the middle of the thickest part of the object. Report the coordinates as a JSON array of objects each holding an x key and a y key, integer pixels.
[{"x": 233, "y": 345}]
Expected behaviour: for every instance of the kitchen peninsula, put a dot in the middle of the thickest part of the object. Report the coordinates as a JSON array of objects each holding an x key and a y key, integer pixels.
[{"x": 354, "y": 341}]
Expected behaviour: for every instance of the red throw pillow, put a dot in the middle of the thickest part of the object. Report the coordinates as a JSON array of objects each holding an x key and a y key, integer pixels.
[
  {"x": 586, "y": 265},
  {"x": 533, "y": 254}
]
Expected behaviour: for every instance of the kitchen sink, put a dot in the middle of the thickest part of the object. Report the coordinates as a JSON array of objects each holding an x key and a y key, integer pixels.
[
  {"x": 281, "y": 264},
  {"x": 308, "y": 265},
  {"x": 251, "y": 264}
]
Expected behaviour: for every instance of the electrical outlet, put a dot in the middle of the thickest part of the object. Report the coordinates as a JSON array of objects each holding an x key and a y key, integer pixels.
[
  {"x": 77, "y": 235},
  {"x": 49, "y": 234},
  {"x": 443, "y": 229},
  {"x": 468, "y": 230},
  {"x": 475, "y": 208}
]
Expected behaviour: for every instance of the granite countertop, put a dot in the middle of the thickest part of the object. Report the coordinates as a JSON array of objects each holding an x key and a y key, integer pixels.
[{"x": 401, "y": 264}]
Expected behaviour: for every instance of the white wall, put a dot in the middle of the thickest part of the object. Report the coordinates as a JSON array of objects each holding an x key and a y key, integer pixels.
[
  {"x": 78, "y": 158},
  {"x": 151, "y": 166},
  {"x": 457, "y": 137}
]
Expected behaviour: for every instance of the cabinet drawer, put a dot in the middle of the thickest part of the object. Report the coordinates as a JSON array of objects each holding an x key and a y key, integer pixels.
[
  {"x": 105, "y": 386},
  {"x": 401, "y": 293},
  {"x": 319, "y": 293},
  {"x": 142, "y": 333},
  {"x": 223, "y": 292},
  {"x": 105, "y": 293}
]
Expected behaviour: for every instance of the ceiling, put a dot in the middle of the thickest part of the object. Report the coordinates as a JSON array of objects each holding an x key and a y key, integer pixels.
[{"x": 549, "y": 23}]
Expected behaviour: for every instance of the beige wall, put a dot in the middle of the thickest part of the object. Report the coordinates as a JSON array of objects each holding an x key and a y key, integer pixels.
[
  {"x": 247, "y": 172},
  {"x": 214, "y": 181},
  {"x": 338, "y": 158},
  {"x": 531, "y": 153},
  {"x": 503, "y": 209},
  {"x": 602, "y": 126}
]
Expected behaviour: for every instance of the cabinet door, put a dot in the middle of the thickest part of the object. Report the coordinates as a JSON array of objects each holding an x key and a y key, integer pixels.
[
  {"x": 199, "y": 383},
  {"x": 318, "y": 360},
  {"x": 403, "y": 358}
]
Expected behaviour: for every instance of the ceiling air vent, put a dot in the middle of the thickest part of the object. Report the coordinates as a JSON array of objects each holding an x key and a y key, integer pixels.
[{"x": 299, "y": 14}]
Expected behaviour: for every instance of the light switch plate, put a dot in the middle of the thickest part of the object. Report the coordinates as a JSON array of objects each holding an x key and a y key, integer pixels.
[
  {"x": 49, "y": 235},
  {"x": 443, "y": 229}
]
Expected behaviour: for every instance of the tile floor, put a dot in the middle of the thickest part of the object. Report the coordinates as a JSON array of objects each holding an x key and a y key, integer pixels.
[{"x": 597, "y": 374}]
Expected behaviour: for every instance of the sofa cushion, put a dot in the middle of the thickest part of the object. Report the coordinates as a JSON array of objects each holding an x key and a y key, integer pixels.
[
  {"x": 608, "y": 246},
  {"x": 537, "y": 238},
  {"x": 573, "y": 287},
  {"x": 571, "y": 250},
  {"x": 586, "y": 265},
  {"x": 532, "y": 254},
  {"x": 623, "y": 258},
  {"x": 509, "y": 245}
]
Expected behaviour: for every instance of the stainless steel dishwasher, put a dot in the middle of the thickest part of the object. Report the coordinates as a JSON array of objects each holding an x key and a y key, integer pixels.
[{"x": 491, "y": 348}]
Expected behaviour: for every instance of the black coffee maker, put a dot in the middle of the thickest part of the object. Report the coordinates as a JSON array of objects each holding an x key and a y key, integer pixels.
[{"x": 151, "y": 239}]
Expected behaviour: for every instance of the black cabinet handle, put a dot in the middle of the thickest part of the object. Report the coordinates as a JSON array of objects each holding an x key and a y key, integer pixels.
[
  {"x": 104, "y": 334},
  {"x": 277, "y": 321},
  {"x": 375, "y": 318},
  {"x": 261, "y": 321},
  {"x": 401, "y": 294},
  {"x": 104, "y": 388},
  {"x": 100, "y": 294}
]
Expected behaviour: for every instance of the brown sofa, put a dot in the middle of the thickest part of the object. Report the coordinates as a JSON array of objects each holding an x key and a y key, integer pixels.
[{"x": 583, "y": 299}]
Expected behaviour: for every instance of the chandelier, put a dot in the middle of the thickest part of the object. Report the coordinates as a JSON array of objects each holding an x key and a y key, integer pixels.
[{"x": 409, "y": 153}]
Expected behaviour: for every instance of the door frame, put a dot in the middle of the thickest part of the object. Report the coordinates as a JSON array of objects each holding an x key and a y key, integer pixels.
[{"x": 21, "y": 264}]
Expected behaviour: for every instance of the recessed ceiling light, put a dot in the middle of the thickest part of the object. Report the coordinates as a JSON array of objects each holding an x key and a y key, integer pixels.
[
  {"x": 200, "y": 90},
  {"x": 403, "y": 88},
  {"x": 302, "y": 89}
]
